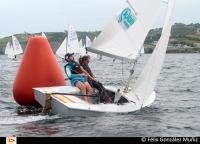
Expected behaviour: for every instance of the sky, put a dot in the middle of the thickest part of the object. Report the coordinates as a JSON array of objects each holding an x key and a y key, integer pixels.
[{"x": 19, "y": 16}]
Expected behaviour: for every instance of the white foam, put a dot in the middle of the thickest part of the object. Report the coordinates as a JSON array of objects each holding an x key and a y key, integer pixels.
[{"x": 10, "y": 119}]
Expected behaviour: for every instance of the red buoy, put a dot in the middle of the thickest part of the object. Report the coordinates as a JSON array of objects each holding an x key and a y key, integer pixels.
[{"x": 39, "y": 68}]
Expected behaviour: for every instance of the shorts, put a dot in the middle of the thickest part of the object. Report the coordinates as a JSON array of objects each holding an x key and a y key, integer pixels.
[{"x": 78, "y": 78}]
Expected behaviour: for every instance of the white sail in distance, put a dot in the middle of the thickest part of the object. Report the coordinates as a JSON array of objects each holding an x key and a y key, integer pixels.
[
  {"x": 8, "y": 48},
  {"x": 73, "y": 44},
  {"x": 16, "y": 46},
  {"x": 81, "y": 43},
  {"x": 43, "y": 34},
  {"x": 62, "y": 50},
  {"x": 11, "y": 53},
  {"x": 146, "y": 82},
  {"x": 82, "y": 48},
  {"x": 88, "y": 43},
  {"x": 125, "y": 34},
  {"x": 142, "y": 50}
]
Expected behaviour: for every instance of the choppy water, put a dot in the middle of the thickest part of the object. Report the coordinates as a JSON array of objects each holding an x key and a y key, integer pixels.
[{"x": 176, "y": 111}]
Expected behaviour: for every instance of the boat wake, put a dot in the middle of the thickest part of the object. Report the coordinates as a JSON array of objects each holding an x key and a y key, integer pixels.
[{"x": 12, "y": 118}]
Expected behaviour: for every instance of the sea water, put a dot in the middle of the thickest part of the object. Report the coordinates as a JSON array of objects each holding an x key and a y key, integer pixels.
[{"x": 176, "y": 111}]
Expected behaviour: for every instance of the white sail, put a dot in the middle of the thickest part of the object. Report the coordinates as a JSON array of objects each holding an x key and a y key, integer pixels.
[
  {"x": 16, "y": 45},
  {"x": 82, "y": 50},
  {"x": 62, "y": 50},
  {"x": 88, "y": 43},
  {"x": 11, "y": 53},
  {"x": 125, "y": 35},
  {"x": 146, "y": 82},
  {"x": 94, "y": 39},
  {"x": 81, "y": 43},
  {"x": 73, "y": 44},
  {"x": 43, "y": 34},
  {"x": 142, "y": 50},
  {"x": 8, "y": 48}
]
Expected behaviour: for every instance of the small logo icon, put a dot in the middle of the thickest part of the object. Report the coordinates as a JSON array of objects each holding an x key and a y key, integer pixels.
[
  {"x": 126, "y": 18},
  {"x": 11, "y": 140}
]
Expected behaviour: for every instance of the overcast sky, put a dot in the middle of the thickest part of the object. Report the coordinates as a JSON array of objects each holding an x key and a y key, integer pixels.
[{"x": 18, "y": 16}]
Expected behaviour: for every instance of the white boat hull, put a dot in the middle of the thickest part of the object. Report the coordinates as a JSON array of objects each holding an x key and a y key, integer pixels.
[{"x": 75, "y": 106}]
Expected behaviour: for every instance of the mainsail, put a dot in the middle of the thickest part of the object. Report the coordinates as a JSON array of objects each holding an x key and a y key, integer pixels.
[
  {"x": 146, "y": 82},
  {"x": 11, "y": 53},
  {"x": 8, "y": 48},
  {"x": 125, "y": 35},
  {"x": 73, "y": 44},
  {"x": 16, "y": 46},
  {"x": 62, "y": 50},
  {"x": 82, "y": 48},
  {"x": 88, "y": 43}
]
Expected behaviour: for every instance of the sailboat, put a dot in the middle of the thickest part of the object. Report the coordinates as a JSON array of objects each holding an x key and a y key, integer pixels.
[
  {"x": 88, "y": 44},
  {"x": 82, "y": 48},
  {"x": 73, "y": 43},
  {"x": 70, "y": 44},
  {"x": 62, "y": 50},
  {"x": 123, "y": 40},
  {"x": 43, "y": 34},
  {"x": 13, "y": 49},
  {"x": 8, "y": 48},
  {"x": 142, "y": 50},
  {"x": 9, "y": 51}
]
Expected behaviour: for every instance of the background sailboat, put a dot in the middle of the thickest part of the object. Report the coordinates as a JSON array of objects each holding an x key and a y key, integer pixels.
[
  {"x": 13, "y": 49},
  {"x": 142, "y": 50},
  {"x": 62, "y": 50},
  {"x": 10, "y": 51},
  {"x": 8, "y": 48},
  {"x": 73, "y": 44},
  {"x": 88, "y": 44},
  {"x": 16, "y": 45},
  {"x": 82, "y": 48},
  {"x": 43, "y": 34}
]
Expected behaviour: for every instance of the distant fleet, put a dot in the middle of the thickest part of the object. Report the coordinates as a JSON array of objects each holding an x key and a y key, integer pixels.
[{"x": 70, "y": 44}]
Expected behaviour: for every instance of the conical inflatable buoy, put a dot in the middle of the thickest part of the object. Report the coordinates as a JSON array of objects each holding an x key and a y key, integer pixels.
[{"x": 39, "y": 68}]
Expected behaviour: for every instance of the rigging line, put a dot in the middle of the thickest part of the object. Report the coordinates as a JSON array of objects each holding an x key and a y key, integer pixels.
[
  {"x": 123, "y": 80},
  {"x": 132, "y": 71}
]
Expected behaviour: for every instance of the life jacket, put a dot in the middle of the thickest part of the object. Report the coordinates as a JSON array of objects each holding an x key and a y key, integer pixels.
[{"x": 75, "y": 67}]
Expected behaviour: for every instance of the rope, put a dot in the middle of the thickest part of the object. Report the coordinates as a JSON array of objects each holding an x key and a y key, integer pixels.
[{"x": 123, "y": 80}]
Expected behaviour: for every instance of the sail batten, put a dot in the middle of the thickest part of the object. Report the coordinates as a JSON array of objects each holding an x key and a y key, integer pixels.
[{"x": 125, "y": 34}]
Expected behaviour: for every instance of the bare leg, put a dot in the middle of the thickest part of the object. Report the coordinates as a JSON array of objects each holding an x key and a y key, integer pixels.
[
  {"x": 82, "y": 87},
  {"x": 89, "y": 89}
]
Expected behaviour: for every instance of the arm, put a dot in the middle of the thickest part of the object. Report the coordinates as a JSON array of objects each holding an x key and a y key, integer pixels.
[{"x": 87, "y": 74}]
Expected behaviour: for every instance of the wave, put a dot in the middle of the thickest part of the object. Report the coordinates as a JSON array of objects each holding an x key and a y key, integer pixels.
[{"x": 11, "y": 118}]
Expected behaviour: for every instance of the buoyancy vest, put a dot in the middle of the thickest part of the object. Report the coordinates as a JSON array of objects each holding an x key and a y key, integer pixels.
[{"x": 75, "y": 67}]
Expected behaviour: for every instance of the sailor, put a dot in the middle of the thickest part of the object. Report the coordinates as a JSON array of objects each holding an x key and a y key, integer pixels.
[
  {"x": 104, "y": 97},
  {"x": 84, "y": 62},
  {"x": 78, "y": 76}
]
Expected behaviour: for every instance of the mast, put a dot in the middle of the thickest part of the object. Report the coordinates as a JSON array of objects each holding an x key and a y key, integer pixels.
[{"x": 131, "y": 73}]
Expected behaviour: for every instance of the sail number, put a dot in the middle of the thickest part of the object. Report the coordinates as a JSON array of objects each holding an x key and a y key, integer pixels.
[{"x": 126, "y": 18}]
